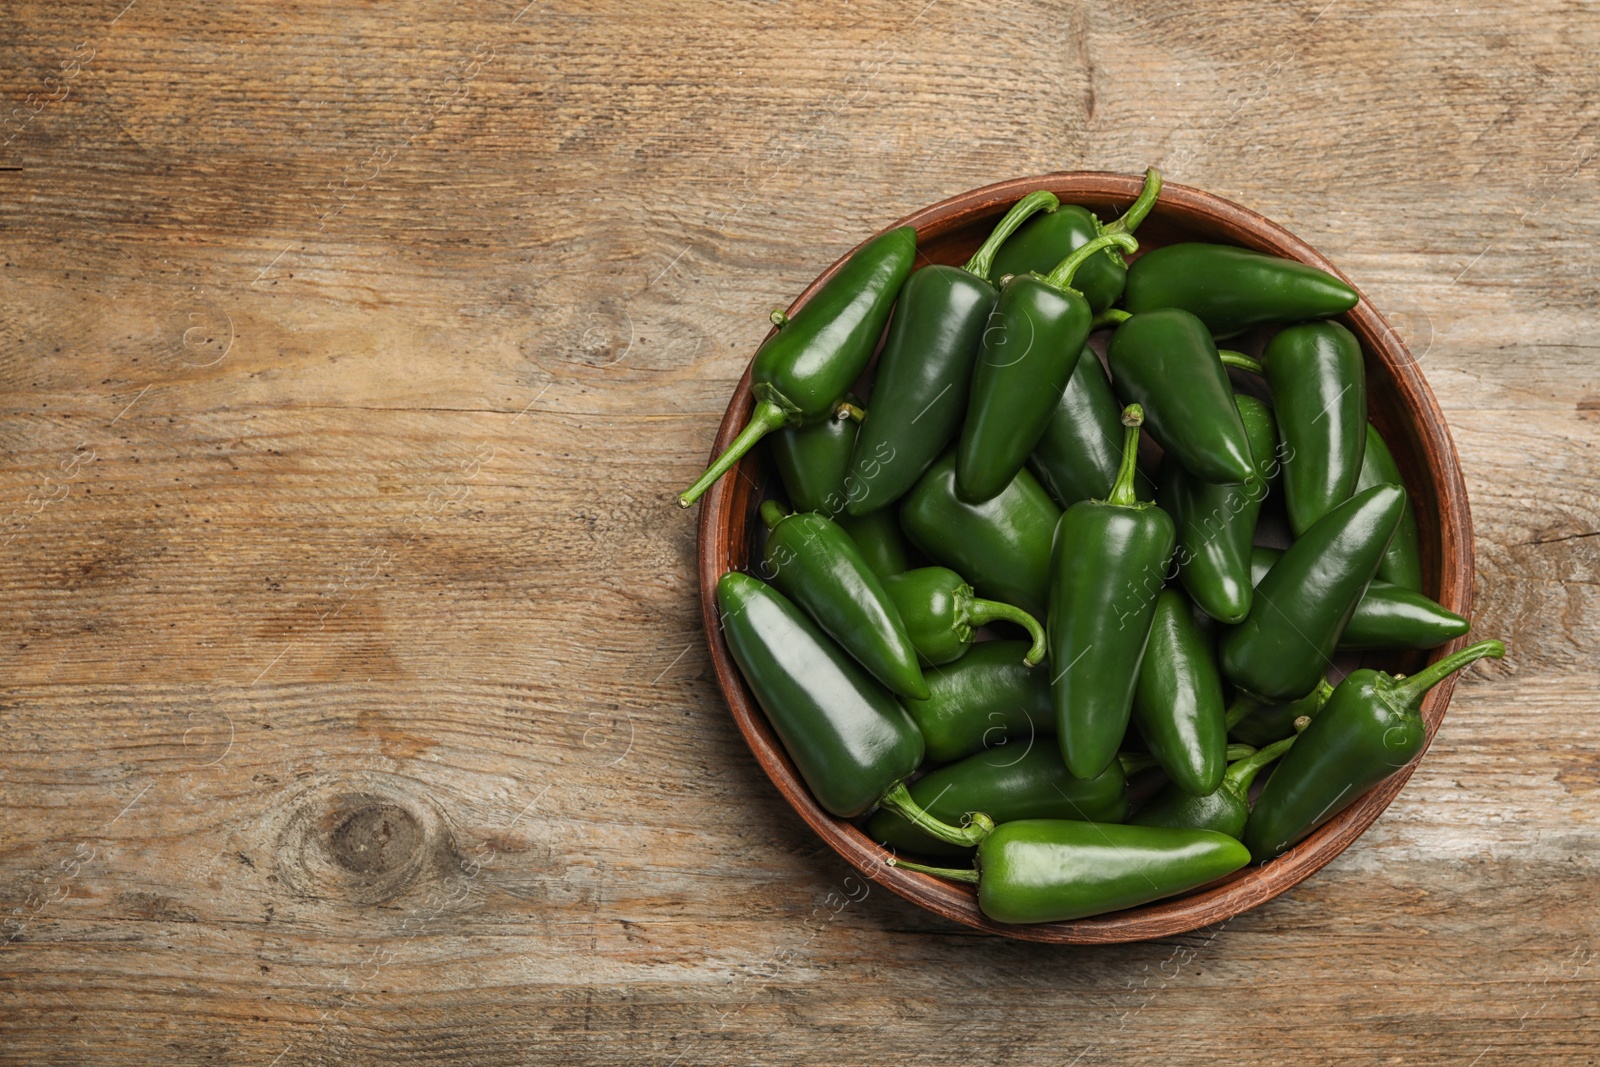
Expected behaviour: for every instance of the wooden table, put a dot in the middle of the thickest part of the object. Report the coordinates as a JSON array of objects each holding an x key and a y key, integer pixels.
[{"x": 356, "y": 707}]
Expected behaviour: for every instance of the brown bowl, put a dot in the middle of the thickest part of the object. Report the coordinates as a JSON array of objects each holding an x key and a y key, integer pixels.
[{"x": 1400, "y": 403}]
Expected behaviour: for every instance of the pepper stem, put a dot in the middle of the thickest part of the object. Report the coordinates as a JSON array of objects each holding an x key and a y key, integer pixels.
[
  {"x": 778, "y": 318},
  {"x": 1123, "y": 493},
  {"x": 1231, "y": 358},
  {"x": 898, "y": 800},
  {"x": 1242, "y": 773},
  {"x": 1241, "y": 709},
  {"x": 772, "y": 513},
  {"x": 763, "y": 420},
  {"x": 847, "y": 410},
  {"x": 980, "y": 611},
  {"x": 982, "y": 260},
  {"x": 1109, "y": 317},
  {"x": 962, "y": 875},
  {"x": 1411, "y": 691},
  {"x": 1139, "y": 208},
  {"x": 1061, "y": 276}
]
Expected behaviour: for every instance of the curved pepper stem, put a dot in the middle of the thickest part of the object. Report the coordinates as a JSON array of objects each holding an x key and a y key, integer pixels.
[
  {"x": 1411, "y": 691},
  {"x": 980, "y": 611},
  {"x": 1061, "y": 276},
  {"x": 1139, "y": 208},
  {"x": 964, "y": 874},
  {"x": 1109, "y": 317},
  {"x": 1241, "y": 709},
  {"x": 1231, "y": 358},
  {"x": 772, "y": 513},
  {"x": 898, "y": 800},
  {"x": 1123, "y": 493},
  {"x": 982, "y": 260},
  {"x": 766, "y": 418},
  {"x": 1239, "y": 775}
]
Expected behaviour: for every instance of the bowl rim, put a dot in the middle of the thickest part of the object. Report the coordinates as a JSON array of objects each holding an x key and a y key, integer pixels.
[{"x": 722, "y": 528}]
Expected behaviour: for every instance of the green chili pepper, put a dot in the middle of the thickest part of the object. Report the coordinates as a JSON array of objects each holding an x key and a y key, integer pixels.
[
  {"x": 983, "y": 700},
  {"x": 1005, "y": 786},
  {"x": 1232, "y": 289},
  {"x": 803, "y": 370},
  {"x": 1224, "y": 810},
  {"x": 1371, "y": 727},
  {"x": 814, "y": 461},
  {"x": 1319, "y": 392},
  {"x": 1002, "y": 545},
  {"x": 1177, "y": 704},
  {"x": 1402, "y": 564},
  {"x": 1266, "y": 724},
  {"x": 1166, "y": 362},
  {"x": 1049, "y": 238},
  {"x": 919, "y": 391},
  {"x": 1051, "y": 870},
  {"x": 813, "y": 561},
  {"x": 1081, "y": 450},
  {"x": 878, "y": 537},
  {"x": 1216, "y": 523},
  {"x": 1106, "y": 570},
  {"x": 1028, "y": 352},
  {"x": 1303, "y": 603},
  {"x": 940, "y": 611}
]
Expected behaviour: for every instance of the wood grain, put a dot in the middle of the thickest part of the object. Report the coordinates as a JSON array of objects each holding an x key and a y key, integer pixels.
[{"x": 354, "y": 690}]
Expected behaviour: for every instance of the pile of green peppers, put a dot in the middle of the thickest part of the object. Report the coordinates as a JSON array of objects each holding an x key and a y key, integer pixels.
[{"x": 978, "y": 612}]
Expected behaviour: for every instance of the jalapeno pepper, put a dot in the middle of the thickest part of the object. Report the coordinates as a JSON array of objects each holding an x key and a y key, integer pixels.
[
  {"x": 1051, "y": 237},
  {"x": 984, "y": 699},
  {"x": 814, "y": 461},
  {"x": 1051, "y": 870},
  {"x": 1028, "y": 352},
  {"x": 1106, "y": 570},
  {"x": 1303, "y": 603},
  {"x": 810, "y": 558},
  {"x": 1371, "y": 727},
  {"x": 1319, "y": 393},
  {"x": 1166, "y": 362},
  {"x": 802, "y": 371},
  {"x": 1002, "y": 546},
  {"x": 940, "y": 611},
  {"x": 919, "y": 391},
  {"x": 1232, "y": 289},
  {"x": 1006, "y": 785},
  {"x": 1081, "y": 450},
  {"x": 1177, "y": 704},
  {"x": 1224, "y": 810},
  {"x": 878, "y": 537},
  {"x": 1402, "y": 563}
]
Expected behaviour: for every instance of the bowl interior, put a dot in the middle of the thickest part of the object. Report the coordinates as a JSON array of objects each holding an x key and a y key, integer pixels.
[{"x": 1399, "y": 403}]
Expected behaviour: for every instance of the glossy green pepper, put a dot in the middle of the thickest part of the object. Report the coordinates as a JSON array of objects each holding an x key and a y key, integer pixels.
[
  {"x": 812, "y": 560},
  {"x": 1284, "y": 645},
  {"x": 1216, "y": 523},
  {"x": 1233, "y": 289},
  {"x": 919, "y": 391},
  {"x": 802, "y": 371},
  {"x": 1050, "y": 238},
  {"x": 1002, "y": 546},
  {"x": 878, "y": 537},
  {"x": 940, "y": 611},
  {"x": 1371, "y": 727},
  {"x": 1028, "y": 353},
  {"x": 1081, "y": 450},
  {"x": 1106, "y": 570},
  {"x": 1225, "y": 810},
  {"x": 1006, "y": 786},
  {"x": 1402, "y": 563},
  {"x": 1166, "y": 362},
  {"x": 1319, "y": 393},
  {"x": 985, "y": 699},
  {"x": 1177, "y": 704},
  {"x": 1052, "y": 870},
  {"x": 814, "y": 461}
]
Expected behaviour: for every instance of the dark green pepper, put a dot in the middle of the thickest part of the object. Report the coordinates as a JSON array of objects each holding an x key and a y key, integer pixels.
[
  {"x": 1402, "y": 564},
  {"x": 1006, "y": 787},
  {"x": 1319, "y": 393},
  {"x": 1106, "y": 570},
  {"x": 1002, "y": 546},
  {"x": 814, "y": 461},
  {"x": 1227, "y": 809},
  {"x": 878, "y": 537},
  {"x": 1303, "y": 603},
  {"x": 1177, "y": 704},
  {"x": 1081, "y": 450},
  {"x": 1232, "y": 289},
  {"x": 1052, "y": 870},
  {"x": 1216, "y": 523},
  {"x": 940, "y": 611},
  {"x": 1371, "y": 727},
  {"x": 983, "y": 700},
  {"x": 919, "y": 391},
  {"x": 1028, "y": 353},
  {"x": 810, "y": 558},
  {"x": 1166, "y": 362},
  {"x": 803, "y": 370},
  {"x": 1050, "y": 238}
]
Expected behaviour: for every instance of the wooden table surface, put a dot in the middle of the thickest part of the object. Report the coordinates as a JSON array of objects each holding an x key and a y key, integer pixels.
[{"x": 355, "y": 703}]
